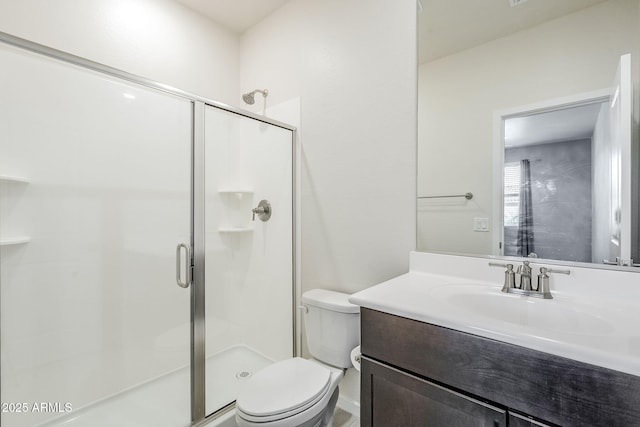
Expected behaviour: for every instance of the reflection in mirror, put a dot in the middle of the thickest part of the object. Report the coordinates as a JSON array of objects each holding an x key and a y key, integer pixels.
[
  {"x": 523, "y": 66},
  {"x": 548, "y": 186}
]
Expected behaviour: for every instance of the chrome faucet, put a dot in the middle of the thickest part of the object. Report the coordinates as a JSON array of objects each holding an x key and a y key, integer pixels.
[
  {"x": 524, "y": 271},
  {"x": 525, "y": 286}
]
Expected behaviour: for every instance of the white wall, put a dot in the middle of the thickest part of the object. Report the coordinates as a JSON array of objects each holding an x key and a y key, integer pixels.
[
  {"x": 458, "y": 95},
  {"x": 357, "y": 130},
  {"x": 353, "y": 65},
  {"x": 157, "y": 39}
]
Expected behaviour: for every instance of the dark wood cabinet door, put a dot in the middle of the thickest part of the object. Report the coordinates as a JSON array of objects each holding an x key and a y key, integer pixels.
[{"x": 391, "y": 397}]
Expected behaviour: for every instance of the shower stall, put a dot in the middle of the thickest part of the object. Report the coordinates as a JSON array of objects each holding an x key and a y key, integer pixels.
[{"x": 141, "y": 279}]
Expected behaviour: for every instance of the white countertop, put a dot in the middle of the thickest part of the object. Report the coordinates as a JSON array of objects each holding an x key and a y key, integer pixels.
[{"x": 580, "y": 323}]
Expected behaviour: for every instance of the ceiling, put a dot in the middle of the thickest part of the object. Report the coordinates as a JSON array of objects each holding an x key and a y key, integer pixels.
[
  {"x": 236, "y": 15},
  {"x": 445, "y": 26},
  {"x": 449, "y": 26},
  {"x": 569, "y": 124}
]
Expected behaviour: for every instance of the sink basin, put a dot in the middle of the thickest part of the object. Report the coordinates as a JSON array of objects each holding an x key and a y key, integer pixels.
[{"x": 553, "y": 315}]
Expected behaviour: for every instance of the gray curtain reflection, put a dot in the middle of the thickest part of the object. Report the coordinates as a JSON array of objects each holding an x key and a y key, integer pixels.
[{"x": 525, "y": 221}]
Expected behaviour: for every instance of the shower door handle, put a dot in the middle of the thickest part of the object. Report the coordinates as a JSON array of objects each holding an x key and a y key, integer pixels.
[{"x": 187, "y": 257}]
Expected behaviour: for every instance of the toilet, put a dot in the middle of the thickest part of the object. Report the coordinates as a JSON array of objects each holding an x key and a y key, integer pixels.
[{"x": 298, "y": 392}]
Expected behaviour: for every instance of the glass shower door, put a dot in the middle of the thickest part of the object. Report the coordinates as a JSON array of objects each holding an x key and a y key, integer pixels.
[
  {"x": 248, "y": 224},
  {"x": 95, "y": 194}
]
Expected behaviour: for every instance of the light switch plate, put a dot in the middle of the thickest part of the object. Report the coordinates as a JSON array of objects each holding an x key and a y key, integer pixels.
[{"x": 481, "y": 224}]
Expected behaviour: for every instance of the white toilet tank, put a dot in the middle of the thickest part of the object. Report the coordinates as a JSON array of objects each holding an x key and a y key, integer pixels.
[{"x": 332, "y": 324}]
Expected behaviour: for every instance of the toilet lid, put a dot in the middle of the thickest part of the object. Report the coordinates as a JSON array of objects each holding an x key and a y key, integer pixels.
[{"x": 283, "y": 387}]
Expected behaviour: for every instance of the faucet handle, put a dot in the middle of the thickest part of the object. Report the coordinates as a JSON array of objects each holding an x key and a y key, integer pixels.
[
  {"x": 543, "y": 283},
  {"x": 543, "y": 280},
  {"x": 509, "y": 275},
  {"x": 500, "y": 264},
  {"x": 509, "y": 278},
  {"x": 556, "y": 270},
  {"x": 263, "y": 210}
]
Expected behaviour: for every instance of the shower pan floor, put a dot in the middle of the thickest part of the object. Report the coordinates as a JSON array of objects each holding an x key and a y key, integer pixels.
[{"x": 165, "y": 401}]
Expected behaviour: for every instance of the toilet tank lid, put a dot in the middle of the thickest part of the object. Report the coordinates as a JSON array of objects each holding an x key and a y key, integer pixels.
[{"x": 330, "y": 300}]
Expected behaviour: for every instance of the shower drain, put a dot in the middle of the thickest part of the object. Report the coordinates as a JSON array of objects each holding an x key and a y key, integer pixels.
[{"x": 242, "y": 375}]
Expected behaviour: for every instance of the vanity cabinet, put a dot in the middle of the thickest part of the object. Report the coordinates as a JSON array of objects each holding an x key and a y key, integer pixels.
[{"x": 419, "y": 374}]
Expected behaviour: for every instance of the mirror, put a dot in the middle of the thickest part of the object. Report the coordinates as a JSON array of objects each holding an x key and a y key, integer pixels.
[{"x": 487, "y": 68}]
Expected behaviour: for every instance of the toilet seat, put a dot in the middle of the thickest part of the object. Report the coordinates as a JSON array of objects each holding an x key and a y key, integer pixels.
[{"x": 282, "y": 390}]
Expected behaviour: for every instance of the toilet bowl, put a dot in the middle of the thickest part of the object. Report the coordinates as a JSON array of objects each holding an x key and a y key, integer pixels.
[
  {"x": 292, "y": 393},
  {"x": 298, "y": 392}
]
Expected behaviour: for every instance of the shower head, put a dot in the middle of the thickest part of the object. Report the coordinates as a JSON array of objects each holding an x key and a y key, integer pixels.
[{"x": 249, "y": 97}]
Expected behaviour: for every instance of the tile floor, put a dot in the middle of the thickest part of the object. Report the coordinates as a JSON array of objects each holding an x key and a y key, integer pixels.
[{"x": 342, "y": 418}]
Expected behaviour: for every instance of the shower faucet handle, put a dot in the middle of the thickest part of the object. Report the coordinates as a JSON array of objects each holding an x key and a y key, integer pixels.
[{"x": 263, "y": 210}]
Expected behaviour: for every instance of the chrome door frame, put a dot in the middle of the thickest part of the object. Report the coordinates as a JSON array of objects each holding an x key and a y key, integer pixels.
[
  {"x": 198, "y": 314},
  {"x": 198, "y": 389}
]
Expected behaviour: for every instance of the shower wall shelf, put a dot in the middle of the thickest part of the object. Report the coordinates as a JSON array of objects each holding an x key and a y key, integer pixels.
[
  {"x": 14, "y": 241},
  {"x": 237, "y": 209},
  {"x": 16, "y": 179},
  {"x": 17, "y": 240}
]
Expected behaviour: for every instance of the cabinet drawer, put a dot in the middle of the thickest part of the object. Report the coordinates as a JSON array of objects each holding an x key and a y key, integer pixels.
[{"x": 395, "y": 398}]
